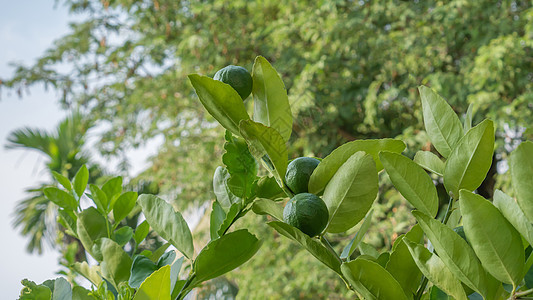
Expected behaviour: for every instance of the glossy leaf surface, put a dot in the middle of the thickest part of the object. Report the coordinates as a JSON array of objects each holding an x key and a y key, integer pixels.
[
  {"x": 266, "y": 206},
  {"x": 497, "y": 244},
  {"x": 351, "y": 192},
  {"x": 225, "y": 254},
  {"x": 314, "y": 247},
  {"x": 266, "y": 143},
  {"x": 271, "y": 104},
  {"x": 412, "y": 182},
  {"x": 470, "y": 160},
  {"x": 430, "y": 161},
  {"x": 521, "y": 165},
  {"x": 169, "y": 224},
  {"x": 156, "y": 286},
  {"x": 372, "y": 280},
  {"x": 331, "y": 163},
  {"x": 442, "y": 124},
  {"x": 435, "y": 270},
  {"x": 221, "y": 101},
  {"x": 457, "y": 255},
  {"x": 512, "y": 212}
]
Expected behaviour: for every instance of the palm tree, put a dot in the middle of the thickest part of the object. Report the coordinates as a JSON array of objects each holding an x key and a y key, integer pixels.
[{"x": 36, "y": 215}]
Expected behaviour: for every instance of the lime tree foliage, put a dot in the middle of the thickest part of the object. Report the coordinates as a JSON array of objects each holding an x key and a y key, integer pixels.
[
  {"x": 121, "y": 266},
  {"x": 490, "y": 256},
  {"x": 352, "y": 68}
]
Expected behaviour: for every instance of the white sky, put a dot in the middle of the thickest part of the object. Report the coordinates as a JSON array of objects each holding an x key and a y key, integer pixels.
[{"x": 27, "y": 28}]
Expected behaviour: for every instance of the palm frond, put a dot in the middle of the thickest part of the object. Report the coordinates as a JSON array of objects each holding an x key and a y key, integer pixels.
[
  {"x": 30, "y": 138},
  {"x": 35, "y": 216}
]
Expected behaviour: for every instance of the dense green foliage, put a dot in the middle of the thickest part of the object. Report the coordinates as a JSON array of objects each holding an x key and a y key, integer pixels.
[{"x": 351, "y": 70}]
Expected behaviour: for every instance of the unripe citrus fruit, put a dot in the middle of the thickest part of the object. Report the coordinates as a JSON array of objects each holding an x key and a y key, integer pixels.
[
  {"x": 306, "y": 212},
  {"x": 298, "y": 173},
  {"x": 238, "y": 77}
]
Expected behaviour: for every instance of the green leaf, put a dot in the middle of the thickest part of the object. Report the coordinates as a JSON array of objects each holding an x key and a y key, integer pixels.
[
  {"x": 222, "y": 191},
  {"x": 435, "y": 270},
  {"x": 497, "y": 244},
  {"x": 141, "y": 232},
  {"x": 68, "y": 219},
  {"x": 221, "y": 101},
  {"x": 80, "y": 180},
  {"x": 368, "y": 250},
  {"x": 240, "y": 164},
  {"x": 412, "y": 182},
  {"x": 174, "y": 276},
  {"x": 268, "y": 188},
  {"x": 220, "y": 220},
  {"x": 528, "y": 270},
  {"x": 437, "y": 294},
  {"x": 32, "y": 291},
  {"x": 350, "y": 248},
  {"x": 331, "y": 163},
  {"x": 470, "y": 160},
  {"x": 215, "y": 219},
  {"x": 141, "y": 268},
  {"x": 159, "y": 252},
  {"x": 91, "y": 273},
  {"x": 372, "y": 280},
  {"x": 512, "y": 212},
  {"x": 225, "y": 254},
  {"x": 457, "y": 255},
  {"x": 401, "y": 264},
  {"x": 468, "y": 118},
  {"x": 91, "y": 226},
  {"x": 442, "y": 124},
  {"x": 429, "y": 161},
  {"x": 81, "y": 293},
  {"x": 123, "y": 235},
  {"x": 351, "y": 192},
  {"x": 156, "y": 286},
  {"x": 168, "y": 223},
  {"x": 62, "y": 289},
  {"x": 521, "y": 166},
  {"x": 268, "y": 207},
  {"x": 99, "y": 198},
  {"x": 266, "y": 142},
  {"x": 112, "y": 189},
  {"x": 61, "y": 198},
  {"x": 271, "y": 104},
  {"x": 116, "y": 264},
  {"x": 124, "y": 205},
  {"x": 62, "y": 180},
  {"x": 232, "y": 213},
  {"x": 314, "y": 247},
  {"x": 382, "y": 259},
  {"x": 166, "y": 259}
]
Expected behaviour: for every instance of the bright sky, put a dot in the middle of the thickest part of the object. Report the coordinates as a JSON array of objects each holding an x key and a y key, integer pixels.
[{"x": 27, "y": 29}]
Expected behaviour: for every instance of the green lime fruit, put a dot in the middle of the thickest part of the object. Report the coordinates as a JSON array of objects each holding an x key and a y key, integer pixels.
[
  {"x": 306, "y": 212},
  {"x": 238, "y": 77},
  {"x": 298, "y": 173}
]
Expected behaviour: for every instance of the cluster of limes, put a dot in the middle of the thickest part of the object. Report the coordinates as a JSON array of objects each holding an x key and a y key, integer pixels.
[{"x": 304, "y": 211}]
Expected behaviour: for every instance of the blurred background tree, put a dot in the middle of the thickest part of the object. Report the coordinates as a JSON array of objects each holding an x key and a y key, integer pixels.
[
  {"x": 351, "y": 69},
  {"x": 36, "y": 215}
]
